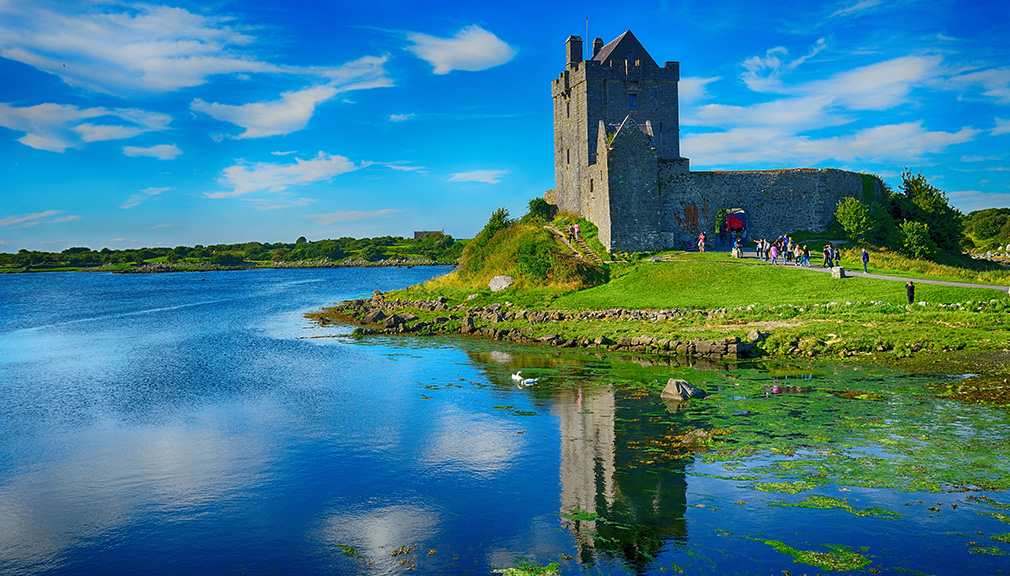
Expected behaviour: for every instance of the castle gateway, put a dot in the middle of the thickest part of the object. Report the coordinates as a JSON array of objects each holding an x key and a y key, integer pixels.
[{"x": 617, "y": 160}]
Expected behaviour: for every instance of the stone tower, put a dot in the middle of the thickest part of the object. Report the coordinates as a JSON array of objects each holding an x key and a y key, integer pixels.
[
  {"x": 621, "y": 85},
  {"x": 617, "y": 161}
]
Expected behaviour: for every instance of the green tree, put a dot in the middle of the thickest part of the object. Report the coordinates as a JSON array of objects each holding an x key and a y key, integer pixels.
[
  {"x": 371, "y": 253},
  {"x": 916, "y": 241},
  {"x": 920, "y": 201},
  {"x": 540, "y": 209},
  {"x": 854, "y": 217}
]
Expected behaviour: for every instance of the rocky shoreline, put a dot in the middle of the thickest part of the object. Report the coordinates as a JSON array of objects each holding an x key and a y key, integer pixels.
[{"x": 378, "y": 315}]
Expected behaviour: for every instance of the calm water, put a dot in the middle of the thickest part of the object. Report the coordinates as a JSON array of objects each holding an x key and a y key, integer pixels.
[{"x": 197, "y": 424}]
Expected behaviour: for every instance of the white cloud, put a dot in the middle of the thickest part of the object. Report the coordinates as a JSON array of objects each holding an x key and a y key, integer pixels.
[
  {"x": 136, "y": 199},
  {"x": 400, "y": 117},
  {"x": 802, "y": 113},
  {"x": 1002, "y": 127},
  {"x": 295, "y": 108},
  {"x": 289, "y": 114},
  {"x": 994, "y": 82},
  {"x": 896, "y": 143},
  {"x": 56, "y": 127},
  {"x": 245, "y": 178},
  {"x": 471, "y": 49},
  {"x": 858, "y": 7},
  {"x": 485, "y": 176},
  {"x": 284, "y": 153},
  {"x": 878, "y": 86},
  {"x": 161, "y": 151},
  {"x": 349, "y": 216},
  {"x": 763, "y": 74},
  {"x": 693, "y": 90},
  {"x": 111, "y": 47},
  {"x": 970, "y": 200},
  {"x": 34, "y": 219}
]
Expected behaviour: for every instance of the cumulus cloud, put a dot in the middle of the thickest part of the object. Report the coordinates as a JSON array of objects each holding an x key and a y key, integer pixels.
[
  {"x": 485, "y": 176},
  {"x": 295, "y": 108},
  {"x": 245, "y": 178},
  {"x": 471, "y": 49},
  {"x": 349, "y": 216},
  {"x": 56, "y": 127},
  {"x": 692, "y": 90},
  {"x": 160, "y": 151},
  {"x": 36, "y": 218}
]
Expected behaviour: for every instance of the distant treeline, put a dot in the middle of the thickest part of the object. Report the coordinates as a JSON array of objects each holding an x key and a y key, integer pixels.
[
  {"x": 433, "y": 247},
  {"x": 989, "y": 228}
]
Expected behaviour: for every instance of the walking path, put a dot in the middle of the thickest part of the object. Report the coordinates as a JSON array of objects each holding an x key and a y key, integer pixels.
[
  {"x": 580, "y": 249},
  {"x": 752, "y": 254}
]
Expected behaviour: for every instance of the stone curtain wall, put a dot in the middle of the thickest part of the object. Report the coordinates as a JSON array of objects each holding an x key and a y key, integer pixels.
[{"x": 776, "y": 201}]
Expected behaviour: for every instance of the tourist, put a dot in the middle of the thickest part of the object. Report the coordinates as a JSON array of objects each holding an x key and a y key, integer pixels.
[
  {"x": 575, "y": 230},
  {"x": 806, "y": 255},
  {"x": 827, "y": 256},
  {"x": 838, "y": 257},
  {"x": 910, "y": 291},
  {"x": 866, "y": 259},
  {"x": 797, "y": 255},
  {"x": 701, "y": 242},
  {"x": 789, "y": 250},
  {"x": 775, "y": 254}
]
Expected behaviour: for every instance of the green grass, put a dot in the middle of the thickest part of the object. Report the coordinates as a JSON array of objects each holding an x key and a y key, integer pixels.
[
  {"x": 713, "y": 280},
  {"x": 891, "y": 263}
]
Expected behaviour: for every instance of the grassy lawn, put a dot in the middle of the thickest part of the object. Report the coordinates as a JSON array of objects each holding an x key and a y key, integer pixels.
[{"x": 713, "y": 280}]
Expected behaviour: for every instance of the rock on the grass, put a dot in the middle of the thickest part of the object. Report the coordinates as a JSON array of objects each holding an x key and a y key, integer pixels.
[
  {"x": 499, "y": 283},
  {"x": 681, "y": 390}
]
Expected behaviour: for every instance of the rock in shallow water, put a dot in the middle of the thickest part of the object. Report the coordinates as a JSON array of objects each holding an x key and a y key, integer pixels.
[{"x": 681, "y": 390}]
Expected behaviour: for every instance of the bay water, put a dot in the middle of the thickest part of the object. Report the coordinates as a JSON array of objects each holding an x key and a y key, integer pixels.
[{"x": 197, "y": 423}]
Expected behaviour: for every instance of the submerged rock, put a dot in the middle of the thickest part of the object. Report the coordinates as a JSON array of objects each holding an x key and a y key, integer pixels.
[{"x": 681, "y": 390}]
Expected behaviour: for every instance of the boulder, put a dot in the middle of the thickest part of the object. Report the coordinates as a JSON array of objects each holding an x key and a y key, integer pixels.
[
  {"x": 499, "y": 283},
  {"x": 838, "y": 272},
  {"x": 680, "y": 390}
]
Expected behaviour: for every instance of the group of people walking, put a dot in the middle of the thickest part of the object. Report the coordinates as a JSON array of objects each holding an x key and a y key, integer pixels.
[{"x": 788, "y": 251}]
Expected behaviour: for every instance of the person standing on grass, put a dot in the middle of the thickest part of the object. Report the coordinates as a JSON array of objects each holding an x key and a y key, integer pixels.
[
  {"x": 701, "y": 242},
  {"x": 866, "y": 259},
  {"x": 775, "y": 254},
  {"x": 910, "y": 291}
]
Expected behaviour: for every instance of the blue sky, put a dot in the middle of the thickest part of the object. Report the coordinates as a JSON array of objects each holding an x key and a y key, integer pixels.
[{"x": 160, "y": 124}]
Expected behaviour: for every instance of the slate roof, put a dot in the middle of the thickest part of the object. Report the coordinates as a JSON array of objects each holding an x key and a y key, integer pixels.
[{"x": 627, "y": 43}]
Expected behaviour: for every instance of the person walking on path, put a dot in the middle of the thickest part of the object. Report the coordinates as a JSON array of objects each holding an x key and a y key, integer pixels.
[
  {"x": 806, "y": 255},
  {"x": 866, "y": 259},
  {"x": 827, "y": 256},
  {"x": 775, "y": 254},
  {"x": 910, "y": 291},
  {"x": 575, "y": 228}
]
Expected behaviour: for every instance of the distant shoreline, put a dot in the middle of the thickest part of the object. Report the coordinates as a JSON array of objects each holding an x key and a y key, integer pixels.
[{"x": 167, "y": 268}]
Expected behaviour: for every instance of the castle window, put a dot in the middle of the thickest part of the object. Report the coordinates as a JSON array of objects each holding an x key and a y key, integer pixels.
[
  {"x": 568, "y": 155},
  {"x": 590, "y": 185},
  {"x": 632, "y": 101},
  {"x": 568, "y": 109}
]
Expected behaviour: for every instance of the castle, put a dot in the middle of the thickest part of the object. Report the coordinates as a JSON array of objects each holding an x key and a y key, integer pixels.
[{"x": 617, "y": 160}]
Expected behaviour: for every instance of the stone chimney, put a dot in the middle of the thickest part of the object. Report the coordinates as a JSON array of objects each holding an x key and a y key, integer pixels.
[
  {"x": 573, "y": 46},
  {"x": 597, "y": 46}
]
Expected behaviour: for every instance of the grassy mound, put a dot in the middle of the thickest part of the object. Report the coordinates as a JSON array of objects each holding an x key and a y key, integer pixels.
[{"x": 539, "y": 263}]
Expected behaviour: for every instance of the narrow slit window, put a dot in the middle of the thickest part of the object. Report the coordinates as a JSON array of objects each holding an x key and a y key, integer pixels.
[{"x": 632, "y": 101}]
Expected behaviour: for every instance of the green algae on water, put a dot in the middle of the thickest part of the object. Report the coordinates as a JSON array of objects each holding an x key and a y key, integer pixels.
[
  {"x": 839, "y": 559},
  {"x": 828, "y": 503},
  {"x": 786, "y": 487}
]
